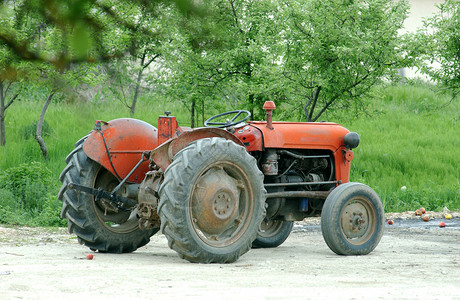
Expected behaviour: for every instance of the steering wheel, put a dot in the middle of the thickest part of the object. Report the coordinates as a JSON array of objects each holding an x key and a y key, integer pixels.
[{"x": 229, "y": 122}]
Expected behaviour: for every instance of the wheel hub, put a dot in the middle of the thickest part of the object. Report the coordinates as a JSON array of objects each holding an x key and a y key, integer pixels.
[
  {"x": 355, "y": 221},
  {"x": 215, "y": 202},
  {"x": 223, "y": 205}
]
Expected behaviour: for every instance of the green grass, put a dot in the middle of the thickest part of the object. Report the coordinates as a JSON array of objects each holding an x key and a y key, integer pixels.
[
  {"x": 68, "y": 122},
  {"x": 410, "y": 138},
  {"x": 412, "y": 141}
]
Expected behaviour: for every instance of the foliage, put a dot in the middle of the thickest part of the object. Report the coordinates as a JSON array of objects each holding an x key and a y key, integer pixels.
[
  {"x": 406, "y": 141},
  {"x": 80, "y": 26},
  {"x": 437, "y": 46},
  {"x": 26, "y": 197},
  {"x": 126, "y": 73},
  {"x": 312, "y": 55},
  {"x": 335, "y": 51},
  {"x": 24, "y": 29},
  {"x": 225, "y": 66},
  {"x": 29, "y": 130}
]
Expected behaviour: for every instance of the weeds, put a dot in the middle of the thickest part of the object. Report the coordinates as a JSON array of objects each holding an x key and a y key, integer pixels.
[{"x": 409, "y": 138}]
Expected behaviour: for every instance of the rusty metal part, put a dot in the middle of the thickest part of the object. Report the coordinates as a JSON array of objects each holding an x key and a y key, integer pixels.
[
  {"x": 215, "y": 201},
  {"x": 301, "y": 183},
  {"x": 269, "y": 228},
  {"x": 299, "y": 194},
  {"x": 114, "y": 201},
  {"x": 163, "y": 155},
  {"x": 116, "y": 216},
  {"x": 299, "y": 156},
  {"x": 358, "y": 221},
  {"x": 270, "y": 163},
  {"x": 221, "y": 203},
  {"x": 148, "y": 200},
  {"x": 166, "y": 127},
  {"x": 125, "y": 141},
  {"x": 148, "y": 217},
  {"x": 145, "y": 157},
  {"x": 269, "y": 107},
  {"x": 347, "y": 155}
]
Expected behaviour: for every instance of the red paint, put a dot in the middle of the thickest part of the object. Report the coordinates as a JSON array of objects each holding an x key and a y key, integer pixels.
[{"x": 126, "y": 140}]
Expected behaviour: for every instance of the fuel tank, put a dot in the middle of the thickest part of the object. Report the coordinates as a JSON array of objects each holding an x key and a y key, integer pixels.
[{"x": 119, "y": 144}]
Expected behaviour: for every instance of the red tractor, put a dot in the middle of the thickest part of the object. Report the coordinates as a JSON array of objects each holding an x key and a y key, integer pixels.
[{"x": 219, "y": 190}]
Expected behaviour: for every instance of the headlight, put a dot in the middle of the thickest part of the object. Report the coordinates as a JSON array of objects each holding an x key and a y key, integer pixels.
[{"x": 351, "y": 140}]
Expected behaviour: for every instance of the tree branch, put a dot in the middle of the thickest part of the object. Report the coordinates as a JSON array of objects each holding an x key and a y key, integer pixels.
[
  {"x": 11, "y": 101},
  {"x": 315, "y": 100},
  {"x": 38, "y": 134},
  {"x": 235, "y": 16},
  {"x": 150, "y": 61}
]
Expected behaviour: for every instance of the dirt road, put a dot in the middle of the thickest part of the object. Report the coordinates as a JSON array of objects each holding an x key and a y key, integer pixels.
[{"x": 409, "y": 263}]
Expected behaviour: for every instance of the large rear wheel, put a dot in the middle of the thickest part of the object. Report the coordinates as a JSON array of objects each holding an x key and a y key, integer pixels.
[
  {"x": 212, "y": 201},
  {"x": 352, "y": 219},
  {"x": 272, "y": 233},
  {"x": 100, "y": 225}
]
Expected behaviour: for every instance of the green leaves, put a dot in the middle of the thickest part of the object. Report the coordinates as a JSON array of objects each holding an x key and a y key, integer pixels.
[
  {"x": 342, "y": 48},
  {"x": 80, "y": 40},
  {"x": 438, "y": 44}
]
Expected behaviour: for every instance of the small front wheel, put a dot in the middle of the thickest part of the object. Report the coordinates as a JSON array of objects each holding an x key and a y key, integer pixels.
[{"x": 352, "y": 219}]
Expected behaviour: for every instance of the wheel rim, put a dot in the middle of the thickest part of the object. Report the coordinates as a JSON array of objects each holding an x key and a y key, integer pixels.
[
  {"x": 108, "y": 214},
  {"x": 269, "y": 228},
  {"x": 222, "y": 204},
  {"x": 358, "y": 220}
]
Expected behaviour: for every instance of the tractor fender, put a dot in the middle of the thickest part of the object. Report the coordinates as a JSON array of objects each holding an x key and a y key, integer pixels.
[
  {"x": 164, "y": 154},
  {"x": 118, "y": 145}
]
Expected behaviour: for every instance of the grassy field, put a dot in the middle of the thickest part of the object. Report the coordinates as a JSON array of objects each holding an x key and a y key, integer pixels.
[{"x": 409, "y": 138}]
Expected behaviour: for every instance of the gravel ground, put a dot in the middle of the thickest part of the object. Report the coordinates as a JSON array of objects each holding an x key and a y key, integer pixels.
[{"x": 412, "y": 261}]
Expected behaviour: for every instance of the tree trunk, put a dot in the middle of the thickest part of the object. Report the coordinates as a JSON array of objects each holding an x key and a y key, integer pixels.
[
  {"x": 192, "y": 113},
  {"x": 312, "y": 102},
  {"x": 2, "y": 116},
  {"x": 251, "y": 105},
  {"x": 202, "y": 112},
  {"x": 138, "y": 85},
  {"x": 38, "y": 134},
  {"x": 3, "y": 108},
  {"x": 144, "y": 65}
]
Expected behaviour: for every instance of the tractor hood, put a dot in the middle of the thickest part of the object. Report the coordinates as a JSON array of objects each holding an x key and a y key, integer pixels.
[{"x": 293, "y": 135}]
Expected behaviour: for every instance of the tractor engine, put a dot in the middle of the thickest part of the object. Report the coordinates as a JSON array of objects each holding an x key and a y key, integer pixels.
[{"x": 288, "y": 172}]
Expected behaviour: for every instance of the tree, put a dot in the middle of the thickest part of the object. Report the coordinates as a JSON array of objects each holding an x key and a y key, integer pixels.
[
  {"x": 225, "y": 59},
  {"x": 126, "y": 73},
  {"x": 335, "y": 51},
  {"x": 5, "y": 103},
  {"x": 439, "y": 45},
  {"x": 11, "y": 68},
  {"x": 82, "y": 25},
  {"x": 9, "y": 88}
]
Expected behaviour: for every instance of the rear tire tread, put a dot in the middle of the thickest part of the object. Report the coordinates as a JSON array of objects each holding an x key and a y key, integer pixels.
[
  {"x": 77, "y": 209},
  {"x": 174, "y": 192}
]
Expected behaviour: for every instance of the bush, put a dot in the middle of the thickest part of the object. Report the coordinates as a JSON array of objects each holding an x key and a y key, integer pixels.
[
  {"x": 30, "y": 130},
  {"x": 26, "y": 197},
  {"x": 10, "y": 208}
]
